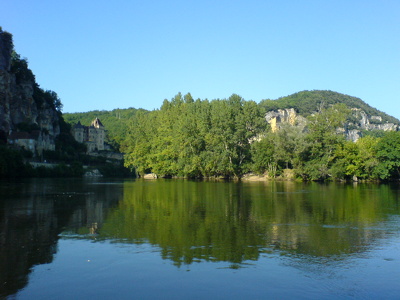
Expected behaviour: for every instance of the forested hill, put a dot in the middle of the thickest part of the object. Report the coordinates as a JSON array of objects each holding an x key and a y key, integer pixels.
[
  {"x": 232, "y": 137},
  {"x": 116, "y": 121},
  {"x": 307, "y": 102}
]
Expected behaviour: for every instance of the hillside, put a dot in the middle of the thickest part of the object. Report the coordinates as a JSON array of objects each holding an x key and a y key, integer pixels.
[
  {"x": 307, "y": 102},
  {"x": 228, "y": 138}
]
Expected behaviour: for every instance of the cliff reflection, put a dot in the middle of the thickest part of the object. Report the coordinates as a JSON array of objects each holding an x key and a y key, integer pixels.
[
  {"x": 34, "y": 213},
  {"x": 234, "y": 222}
]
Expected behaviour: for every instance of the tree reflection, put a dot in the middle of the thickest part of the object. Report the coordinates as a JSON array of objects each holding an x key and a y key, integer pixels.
[
  {"x": 235, "y": 222},
  {"x": 191, "y": 221}
]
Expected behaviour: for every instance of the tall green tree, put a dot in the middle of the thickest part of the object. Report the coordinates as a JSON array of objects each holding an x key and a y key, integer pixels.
[{"x": 324, "y": 139}]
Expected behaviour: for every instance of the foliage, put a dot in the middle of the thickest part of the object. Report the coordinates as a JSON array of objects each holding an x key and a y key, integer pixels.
[
  {"x": 229, "y": 137},
  {"x": 114, "y": 170},
  {"x": 324, "y": 139},
  {"x": 67, "y": 148},
  {"x": 357, "y": 159},
  {"x": 195, "y": 138},
  {"x": 47, "y": 98},
  {"x": 12, "y": 163},
  {"x": 279, "y": 150},
  {"x": 19, "y": 67},
  {"x": 388, "y": 154}
]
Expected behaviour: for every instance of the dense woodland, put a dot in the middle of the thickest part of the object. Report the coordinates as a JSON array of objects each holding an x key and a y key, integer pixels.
[{"x": 230, "y": 137}]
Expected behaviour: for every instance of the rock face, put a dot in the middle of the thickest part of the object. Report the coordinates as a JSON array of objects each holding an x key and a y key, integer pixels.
[
  {"x": 353, "y": 130},
  {"x": 371, "y": 123},
  {"x": 284, "y": 116},
  {"x": 17, "y": 103}
]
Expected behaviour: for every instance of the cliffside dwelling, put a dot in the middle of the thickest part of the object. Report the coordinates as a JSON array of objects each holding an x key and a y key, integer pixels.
[
  {"x": 92, "y": 136},
  {"x": 35, "y": 141}
]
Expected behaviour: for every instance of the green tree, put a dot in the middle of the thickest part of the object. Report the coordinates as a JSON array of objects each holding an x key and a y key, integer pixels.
[
  {"x": 324, "y": 139},
  {"x": 263, "y": 156},
  {"x": 357, "y": 159},
  {"x": 388, "y": 154},
  {"x": 195, "y": 138}
]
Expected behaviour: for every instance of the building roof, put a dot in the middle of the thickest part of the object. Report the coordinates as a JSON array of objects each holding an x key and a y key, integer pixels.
[
  {"x": 79, "y": 125},
  {"x": 97, "y": 123}
]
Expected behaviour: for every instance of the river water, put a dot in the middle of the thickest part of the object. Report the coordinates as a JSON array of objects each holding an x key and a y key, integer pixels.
[{"x": 177, "y": 239}]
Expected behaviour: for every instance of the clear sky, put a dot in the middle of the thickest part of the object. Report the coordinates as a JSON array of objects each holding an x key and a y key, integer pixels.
[{"x": 104, "y": 54}]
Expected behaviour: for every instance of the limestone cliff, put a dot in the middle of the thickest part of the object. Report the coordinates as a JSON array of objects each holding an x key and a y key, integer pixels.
[
  {"x": 284, "y": 116},
  {"x": 294, "y": 109},
  {"x": 359, "y": 122},
  {"x": 24, "y": 106}
]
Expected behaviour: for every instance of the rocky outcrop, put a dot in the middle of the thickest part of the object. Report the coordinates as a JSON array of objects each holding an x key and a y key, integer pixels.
[
  {"x": 93, "y": 173},
  {"x": 284, "y": 116},
  {"x": 360, "y": 121},
  {"x": 371, "y": 122},
  {"x": 150, "y": 176},
  {"x": 18, "y": 109},
  {"x": 353, "y": 130}
]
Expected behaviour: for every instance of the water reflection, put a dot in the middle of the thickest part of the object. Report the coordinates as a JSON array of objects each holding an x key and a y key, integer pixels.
[
  {"x": 34, "y": 213},
  {"x": 193, "y": 221}
]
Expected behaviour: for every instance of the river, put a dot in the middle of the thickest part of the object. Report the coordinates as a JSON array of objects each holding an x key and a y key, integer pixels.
[{"x": 179, "y": 239}]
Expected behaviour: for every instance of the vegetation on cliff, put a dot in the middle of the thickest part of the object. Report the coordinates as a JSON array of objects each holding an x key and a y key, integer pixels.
[{"x": 308, "y": 102}]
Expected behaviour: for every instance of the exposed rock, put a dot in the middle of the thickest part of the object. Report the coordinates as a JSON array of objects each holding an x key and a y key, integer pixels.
[
  {"x": 353, "y": 130},
  {"x": 281, "y": 116},
  {"x": 376, "y": 118},
  {"x": 353, "y": 135},
  {"x": 17, "y": 103},
  {"x": 93, "y": 173},
  {"x": 150, "y": 176},
  {"x": 254, "y": 177}
]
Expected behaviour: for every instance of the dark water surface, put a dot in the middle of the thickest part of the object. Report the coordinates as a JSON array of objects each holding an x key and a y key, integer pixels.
[{"x": 176, "y": 239}]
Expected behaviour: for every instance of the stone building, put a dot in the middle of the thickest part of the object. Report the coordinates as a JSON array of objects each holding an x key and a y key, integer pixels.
[
  {"x": 92, "y": 136},
  {"x": 35, "y": 141}
]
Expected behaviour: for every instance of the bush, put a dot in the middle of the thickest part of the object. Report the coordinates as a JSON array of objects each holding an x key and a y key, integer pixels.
[{"x": 11, "y": 163}]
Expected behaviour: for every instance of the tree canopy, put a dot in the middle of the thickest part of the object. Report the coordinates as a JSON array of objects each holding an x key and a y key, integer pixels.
[{"x": 230, "y": 137}]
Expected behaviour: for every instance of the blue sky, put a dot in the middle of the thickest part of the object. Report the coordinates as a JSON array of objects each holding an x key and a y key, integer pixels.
[{"x": 117, "y": 54}]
